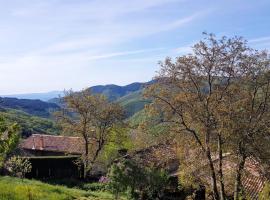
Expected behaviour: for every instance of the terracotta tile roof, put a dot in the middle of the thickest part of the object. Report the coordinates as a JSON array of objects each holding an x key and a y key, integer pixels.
[
  {"x": 160, "y": 155},
  {"x": 64, "y": 144},
  {"x": 252, "y": 180}
]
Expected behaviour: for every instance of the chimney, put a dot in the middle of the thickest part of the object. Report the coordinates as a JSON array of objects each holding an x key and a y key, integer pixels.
[
  {"x": 42, "y": 142},
  {"x": 34, "y": 146}
]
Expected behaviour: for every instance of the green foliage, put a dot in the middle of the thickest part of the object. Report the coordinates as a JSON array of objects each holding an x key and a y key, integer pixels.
[
  {"x": 152, "y": 124},
  {"x": 32, "y": 107},
  {"x": 9, "y": 139},
  {"x": 36, "y": 190},
  {"x": 18, "y": 166},
  {"x": 94, "y": 187},
  {"x": 118, "y": 181},
  {"x": 114, "y": 92},
  {"x": 30, "y": 124},
  {"x": 138, "y": 182},
  {"x": 78, "y": 183},
  {"x": 118, "y": 139},
  {"x": 265, "y": 194},
  {"x": 157, "y": 181},
  {"x": 93, "y": 118},
  {"x": 133, "y": 102}
]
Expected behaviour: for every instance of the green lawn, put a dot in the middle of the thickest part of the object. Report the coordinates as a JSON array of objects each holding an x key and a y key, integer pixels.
[{"x": 16, "y": 189}]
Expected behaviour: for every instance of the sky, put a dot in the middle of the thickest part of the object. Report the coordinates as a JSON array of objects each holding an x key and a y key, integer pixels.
[{"x": 50, "y": 45}]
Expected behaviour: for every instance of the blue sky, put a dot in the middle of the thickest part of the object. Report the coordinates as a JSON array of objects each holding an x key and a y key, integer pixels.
[{"x": 61, "y": 44}]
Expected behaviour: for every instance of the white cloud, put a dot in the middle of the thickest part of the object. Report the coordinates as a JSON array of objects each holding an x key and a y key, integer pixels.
[
  {"x": 58, "y": 44},
  {"x": 260, "y": 39},
  {"x": 260, "y": 42}
]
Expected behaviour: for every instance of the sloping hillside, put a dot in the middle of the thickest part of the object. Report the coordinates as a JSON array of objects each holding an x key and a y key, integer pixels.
[
  {"x": 129, "y": 96},
  {"x": 114, "y": 92},
  {"x": 133, "y": 102},
  {"x": 33, "y": 107},
  {"x": 16, "y": 189},
  {"x": 29, "y": 124}
]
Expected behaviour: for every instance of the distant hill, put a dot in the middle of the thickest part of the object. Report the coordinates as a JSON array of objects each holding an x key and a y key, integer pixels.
[
  {"x": 41, "y": 96},
  {"x": 33, "y": 107},
  {"x": 114, "y": 92},
  {"x": 129, "y": 96},
  {"x": 133, "y": 102},
  {"x": 30, "y": 124}
]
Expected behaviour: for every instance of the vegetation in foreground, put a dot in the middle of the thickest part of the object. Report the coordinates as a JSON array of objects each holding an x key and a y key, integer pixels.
[
  {"x": 214, "y": 102},
  {"x": 16, "y": 189}
]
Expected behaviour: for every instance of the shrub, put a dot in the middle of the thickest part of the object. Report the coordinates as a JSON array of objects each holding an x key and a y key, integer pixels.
[
  {"x": 18, "y": 166},
  {"x": 94, "y": 186},
  {"x": 137, "y": 181}
]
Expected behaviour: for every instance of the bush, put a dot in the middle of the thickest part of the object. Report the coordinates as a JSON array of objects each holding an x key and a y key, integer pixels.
[
  {"x": 136, "y": 181},
  {"x": 18, "y": 166},
  {"x": 94, "y": 186}
]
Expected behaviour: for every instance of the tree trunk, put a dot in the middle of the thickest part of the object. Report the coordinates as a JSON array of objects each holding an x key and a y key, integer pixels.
[
  {"x": 213, "y": 175},
  {"x": 221, "y": 177},
  {"x": 212, "y": 167},
  {"x": 200, "y": 193},
  {"x": 86, "y": 162},
  {"x": 117, "y": 196},
  {"x": 239, "y": 172}
]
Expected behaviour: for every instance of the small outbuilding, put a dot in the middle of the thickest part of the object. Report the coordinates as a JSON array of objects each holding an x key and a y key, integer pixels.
[{"x": 53, "y": 156}]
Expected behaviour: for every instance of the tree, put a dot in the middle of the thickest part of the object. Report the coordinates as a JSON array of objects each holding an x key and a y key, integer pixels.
[
  {"x": 196, "y": 94},
  {"x": 19, "y": 166},
  {"x": 247, "y": 114},
  {"x": 9, "y": 138},
  {"x": 93, "y": 118},
  {"x": 118, "y": 181},
  {"x": 139, "y": 182},
  {"x": 118, "y": 140}
]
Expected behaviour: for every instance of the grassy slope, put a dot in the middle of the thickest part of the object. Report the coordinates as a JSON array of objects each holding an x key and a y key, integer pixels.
[{"x": 16, "y": 189}]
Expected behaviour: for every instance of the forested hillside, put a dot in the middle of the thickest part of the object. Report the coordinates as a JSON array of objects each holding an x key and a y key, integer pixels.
[
  {"x": 129, "y": 96},
  {"x": 33, "y": 107},
  {"x": 29, "y": 124},
  {"x": 34, "y": 115},
  {"x": 114, "y": 92}
]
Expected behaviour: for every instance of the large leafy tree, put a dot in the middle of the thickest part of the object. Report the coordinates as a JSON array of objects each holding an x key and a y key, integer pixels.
[
  {"x": 215, "y": 96},
  {"x": 9, "y": 138},
  {"x": 91, "y": 117},
  {"x": 246, "y": 116}
]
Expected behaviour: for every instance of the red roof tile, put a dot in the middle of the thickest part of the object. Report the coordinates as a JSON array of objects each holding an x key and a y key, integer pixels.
[{"x": 65, "y": 144}]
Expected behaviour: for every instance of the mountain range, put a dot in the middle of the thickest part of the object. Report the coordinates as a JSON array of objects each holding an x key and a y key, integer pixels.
[
  {"x": 111, "y": 91},
  {"x": 41, "y": 104},
  {"x": 33, "y": 112},
  {"x": 45, "y": 96}
]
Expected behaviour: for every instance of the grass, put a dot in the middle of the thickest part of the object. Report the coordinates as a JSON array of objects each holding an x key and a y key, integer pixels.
[{"x": 16, "y": 189}]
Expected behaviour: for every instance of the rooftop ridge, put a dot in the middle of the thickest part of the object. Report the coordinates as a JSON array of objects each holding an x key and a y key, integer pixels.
[{"x": 47, "y": 135}]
